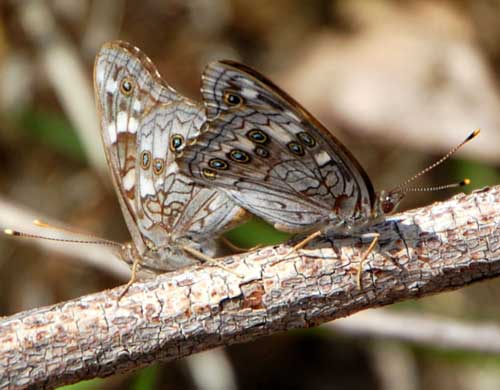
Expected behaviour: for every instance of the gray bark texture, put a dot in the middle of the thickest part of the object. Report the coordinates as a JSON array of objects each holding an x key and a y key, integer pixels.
[{"x": 424, "y": 251}]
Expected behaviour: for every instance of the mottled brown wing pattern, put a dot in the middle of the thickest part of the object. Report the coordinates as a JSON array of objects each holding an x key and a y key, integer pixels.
[
  {"x": 143, "y": 123},
  {"x": 272, "y": 157}
]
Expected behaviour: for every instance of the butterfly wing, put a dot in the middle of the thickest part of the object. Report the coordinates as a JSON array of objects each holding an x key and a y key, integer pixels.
[
  {"x": 142, "y": 121},
  {"x": 172, "y": 206},
  {"x": 273, "y": 157}
]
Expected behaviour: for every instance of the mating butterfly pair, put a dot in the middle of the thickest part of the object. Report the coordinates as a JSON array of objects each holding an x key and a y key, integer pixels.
[{"x": 185, "y": 173}]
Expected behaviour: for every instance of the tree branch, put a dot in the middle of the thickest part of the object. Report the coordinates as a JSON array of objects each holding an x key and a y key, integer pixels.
[{"x": 436, "y": 248}]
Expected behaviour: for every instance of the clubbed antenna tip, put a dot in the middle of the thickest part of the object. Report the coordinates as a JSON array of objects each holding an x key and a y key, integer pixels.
[
  {"x": 404, "y": 187},
  {"x": 472, "y": 135}
]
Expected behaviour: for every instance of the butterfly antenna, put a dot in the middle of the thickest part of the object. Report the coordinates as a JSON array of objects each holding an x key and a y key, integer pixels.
[
  {"x": 464, "y": 182},
  {"x": 403, "y": 187},
  {"x": 94, "y": 240},
  {"x": 64, "y": 229}
]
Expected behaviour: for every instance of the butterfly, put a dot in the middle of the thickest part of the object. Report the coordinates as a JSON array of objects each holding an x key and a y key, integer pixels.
[
  {"x": 172, "y": 219},
  {"x": 275, "y": 159}
]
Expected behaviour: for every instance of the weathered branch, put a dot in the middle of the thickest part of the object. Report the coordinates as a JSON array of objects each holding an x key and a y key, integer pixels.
[{"x": 436, "y": 248}]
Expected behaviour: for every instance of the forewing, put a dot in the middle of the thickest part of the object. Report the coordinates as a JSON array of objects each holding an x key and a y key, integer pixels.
[{"x": 293, "y": 172}]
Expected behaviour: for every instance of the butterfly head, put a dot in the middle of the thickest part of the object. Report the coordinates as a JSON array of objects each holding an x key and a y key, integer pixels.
[{"x": 387, "y": 202}]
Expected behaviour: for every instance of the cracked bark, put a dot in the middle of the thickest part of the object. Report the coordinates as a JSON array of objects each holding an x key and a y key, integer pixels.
[{"x": 437, "y": 248}]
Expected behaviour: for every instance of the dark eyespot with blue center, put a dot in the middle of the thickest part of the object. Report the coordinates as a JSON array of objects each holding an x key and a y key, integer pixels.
[
  {"x": 306, "y": 139},
  {"x": 232, "y": 99},
  {"x": 239, "y": 156},
  {"x": 258, "y": 136},
  {"x": 261, "y": 152},
  {"x": 127, "y": 86},
  {"x": 176, "y": 142},
  {"x": 145, "y": 159},
  {"x": 208, "y": 173},
  {"x": 217, "y": 163},
  {"x": 295, "y": 148},
  {"x": 158, "y": 165}
]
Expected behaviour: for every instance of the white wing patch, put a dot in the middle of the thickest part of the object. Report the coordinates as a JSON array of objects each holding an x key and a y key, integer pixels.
[
  {"x": 112, "y": 86},
  {"x": 129, "y": 180},
  {"x": 322, "y": 158},
  {"x": 133, "y": 124},
  {"x": 137, "y": 106},
  {"x": 147, "y": 187},
  {"x": 112, "y": 132},
  {"x": 122, "y": 122},
  {"x": 249, "y": 93}
]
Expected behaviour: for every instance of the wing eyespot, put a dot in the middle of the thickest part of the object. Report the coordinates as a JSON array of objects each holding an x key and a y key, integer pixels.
[
  {"x": 176, "y": 142},
  {"x": 127, "y": 86},
  {"x": 208, "y": 173},
  {"x": 307, "y": 139},
  {"x": 158, "y": 166},
  {"x": 239, "y": 156},
  {"x": 232, "y": 99},
  {"x": 295, "y": 148},
  {"x": 257, "y": 136},
  {"x": 145, "y": 159},
  {"x": 261, "y": 152},
  {"x": 218, "y": 163}
]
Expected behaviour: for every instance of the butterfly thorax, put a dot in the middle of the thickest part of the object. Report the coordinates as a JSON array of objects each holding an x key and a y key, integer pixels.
[{"x": 348, "y": 217}]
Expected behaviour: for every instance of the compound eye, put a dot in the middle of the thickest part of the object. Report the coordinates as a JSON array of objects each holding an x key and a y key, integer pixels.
[{"x": 387, "y": 206}]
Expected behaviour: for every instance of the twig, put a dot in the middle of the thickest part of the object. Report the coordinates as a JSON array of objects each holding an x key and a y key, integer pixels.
[
  {"x": 431, "y": 330},
  {"x": 437, "y": 248}
]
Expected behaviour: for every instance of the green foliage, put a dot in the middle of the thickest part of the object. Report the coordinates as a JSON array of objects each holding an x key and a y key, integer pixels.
[
  {"x": 480, "y": 174},
  {"x": 145, "y": 378},
  {"x": 52, "y": 130},
  {"x": 93, "y": 384},
  {"x": 256, "y": 232}
]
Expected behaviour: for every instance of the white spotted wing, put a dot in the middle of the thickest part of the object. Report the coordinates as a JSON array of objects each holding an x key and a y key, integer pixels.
[{"x": 143, "y": 121}]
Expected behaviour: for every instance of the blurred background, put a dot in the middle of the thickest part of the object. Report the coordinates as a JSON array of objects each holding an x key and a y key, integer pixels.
[{"x": 398, "y": 82}]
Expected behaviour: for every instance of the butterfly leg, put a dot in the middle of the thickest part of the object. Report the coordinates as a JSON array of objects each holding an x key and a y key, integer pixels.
[
  {"x": 306, "y": 240},
  {"x": 364, "y": 256},
  {"x": 303, "y": 243},
  {"x": 209, "y": 260},
  {"x": 133, "y": 278}
]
